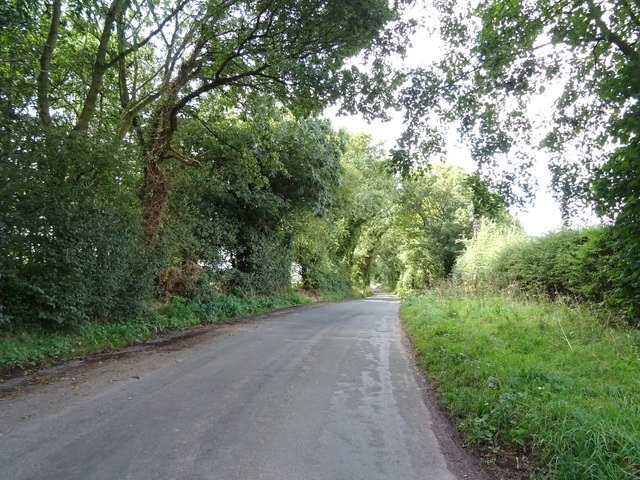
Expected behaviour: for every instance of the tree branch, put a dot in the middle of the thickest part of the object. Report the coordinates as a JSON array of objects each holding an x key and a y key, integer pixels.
[
  {"x": 626, "y": 49},
  {"x": 128, "y": 117},
  {"x": 101, "y": 65},
  {"x": 186, "y": 159},
  {"x": 216, "y": 82},
  {"x": 148, "y": 38},
  {"x": 193, "y": 114},
  {"x": 45, "y": 64},
  {"x": 99, "y": 69}
]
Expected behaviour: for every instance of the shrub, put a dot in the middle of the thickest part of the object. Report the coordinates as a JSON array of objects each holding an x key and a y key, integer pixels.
[
  {"x": 573, "y": 263},
  {"x": 69, "y": 231}
]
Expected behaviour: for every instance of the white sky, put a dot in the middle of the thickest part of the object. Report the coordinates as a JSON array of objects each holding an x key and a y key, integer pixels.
[{"x": 541, "y": 217}]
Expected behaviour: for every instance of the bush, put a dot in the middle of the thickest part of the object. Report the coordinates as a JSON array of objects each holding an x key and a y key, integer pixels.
[
  {"x": 567, "y": 263},
  {"x": 37, "y": 346},
  {"x": 69, "y": 248},
  {"x": 476, "y": 267}
]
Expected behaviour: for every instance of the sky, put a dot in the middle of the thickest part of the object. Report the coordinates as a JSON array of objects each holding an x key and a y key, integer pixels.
[{"x": 540, "y": 217}]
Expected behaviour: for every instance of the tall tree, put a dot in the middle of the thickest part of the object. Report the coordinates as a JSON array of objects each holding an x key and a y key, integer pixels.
[
  {"x": 260, "y": 173},
  {"x": 366, "y": 193},
  {"x": 501, "y": 57},
  {"x": 435, "y": 211}
]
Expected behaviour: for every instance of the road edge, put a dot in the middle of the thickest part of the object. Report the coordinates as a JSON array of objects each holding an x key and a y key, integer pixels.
[{"x": 461, "y": 461}]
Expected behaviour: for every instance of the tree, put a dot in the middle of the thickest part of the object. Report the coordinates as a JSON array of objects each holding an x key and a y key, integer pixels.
[
  {"x": 260, "y": 172},
  {"x": 436, "y": 212},
  {"x": 328, "y": 246},
  {"x": 364, "y": 200},
  {"x": 433, "y": 214},
  {"x": 502, "y": 55},
  {"x": 68, "y": 253}
]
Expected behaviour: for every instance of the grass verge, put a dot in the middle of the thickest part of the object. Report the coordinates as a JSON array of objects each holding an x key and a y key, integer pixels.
[
  {"x": 543, "y": 380},
  {"x": 24, "y": 348}
]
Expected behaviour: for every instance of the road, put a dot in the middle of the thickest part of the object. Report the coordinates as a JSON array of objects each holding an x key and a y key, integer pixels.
[{"x": 324, "y": 392}]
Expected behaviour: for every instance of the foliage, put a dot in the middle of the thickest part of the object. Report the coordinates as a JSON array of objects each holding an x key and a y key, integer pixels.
[
  {"x": 334, "y": 252},
  {"x": 534, "y": 380},
  {"x": 365, "y": 201},
  {"x": 387, "y": 268},
  {"x": 236, "y": 213},
  {"x": 477, "y": 266},
  {"x": 506, "y": 62},
  {"x": 569, "y": 263},
  {"x": 317, "y": 258},
  {"x": 147, "y": 65},
  {"x": 68, "y": 249},
  {"x": 617, "y": 188},
  {"x": 433, "y": 215}
]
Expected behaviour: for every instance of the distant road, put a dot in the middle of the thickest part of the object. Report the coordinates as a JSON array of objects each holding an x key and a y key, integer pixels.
[{"x": 323, "y": 392}]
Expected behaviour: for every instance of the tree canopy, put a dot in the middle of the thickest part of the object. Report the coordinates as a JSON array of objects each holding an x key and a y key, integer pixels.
[
  {"x": 503, "y": 59},
  {"x": 174, "y": 148}
]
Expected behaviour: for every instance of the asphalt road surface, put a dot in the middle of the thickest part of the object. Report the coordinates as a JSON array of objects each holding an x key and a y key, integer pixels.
[{"x": 324, "y": 392}]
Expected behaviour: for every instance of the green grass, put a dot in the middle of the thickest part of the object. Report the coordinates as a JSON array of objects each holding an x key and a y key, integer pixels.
[
  {"x": 546, "y": 380},
  {"x": 32, "y": 347}
]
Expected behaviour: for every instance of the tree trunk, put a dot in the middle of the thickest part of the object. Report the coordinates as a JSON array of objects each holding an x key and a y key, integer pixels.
[
  {"x": 448, "y": 264},
  {"x": 156, "y": 185},
  {"x": 154, "y": 203},
  {"x": 45, "y": 64},
  {"x": 366, "y": 274},
  {"x": 156, "y": 179}
]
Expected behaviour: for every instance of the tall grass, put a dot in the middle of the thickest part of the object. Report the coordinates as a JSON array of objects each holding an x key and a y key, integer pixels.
[
  {"x": 544, "y": 380},
  {"x": 478, "y": 266}
]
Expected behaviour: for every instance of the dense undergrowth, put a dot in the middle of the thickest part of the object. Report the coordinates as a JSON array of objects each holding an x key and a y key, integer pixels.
[
  {"x": 570, "y": 265},
  {"x": 24, "y": 348},
  {"x": 548, "y": 381}
]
